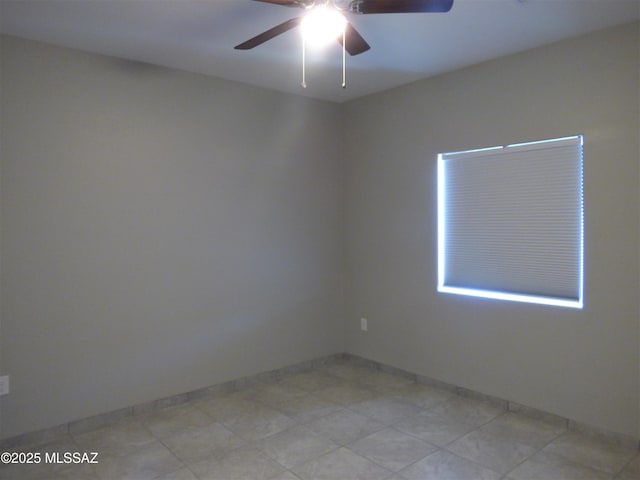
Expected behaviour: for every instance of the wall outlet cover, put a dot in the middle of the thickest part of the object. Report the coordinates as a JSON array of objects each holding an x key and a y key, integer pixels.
[{"x": 4, "y": 385}]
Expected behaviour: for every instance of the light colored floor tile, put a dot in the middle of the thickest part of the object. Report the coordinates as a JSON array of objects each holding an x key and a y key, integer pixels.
[
  {"x": 543, "y": 466},
  {"x": 309, "y": 381},
  {"x": 72, "y": 472},
  {"x": 273, "y": 394},
  {"x": 467, "y": 410},
  {"x": 631, "y": 471},
  {"x": 525, "y": 430},
  {"x": 172, "y": 420},
  {"x": 60, "y": 445},
  {"x": 384, "y": 381},
  {"x": 536, "y": 414},
  {"x": 337, "y": 422},
  {"x": 44, "y": 471},
  {"x": 199, "y": 443},
  {"x": 392, "y": 449},
  {"x": 295, "y": 446},
  {"x": 341, "y": 464},
  {"x": 307, "y": 408},
  {"x": 245, "y": 462},
  {"x": 119, "y": 438},
  {"x": 443, "y": 465},
  {"x": 385, "y": 410},
  {"x": 347, "y": 371},
  {"x": 490, "y": 451},
  {"x": 345, "y": 426},
  {"x": 591, "y": 452},
  {"x": 258, "y": 423},
  {"x": 345, "y": 393},
  {"x": 182, "y": 474},
  {"x": 228, "y": 407},
  {"x": 433, "y": 428},
  {"x": 148, "y": 462},
  {"x": 285, "y": 476}
]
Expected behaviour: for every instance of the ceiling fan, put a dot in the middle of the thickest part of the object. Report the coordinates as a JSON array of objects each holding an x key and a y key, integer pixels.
[{"x": 349, "y": 38}]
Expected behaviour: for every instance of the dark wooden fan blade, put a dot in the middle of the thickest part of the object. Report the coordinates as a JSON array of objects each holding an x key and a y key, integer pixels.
[
  {"x": 354, "y": 43},
  {"x": 287, "y": 3},
  {"x": 269, "y": 34},
  {"x": 402, "y": 6}
]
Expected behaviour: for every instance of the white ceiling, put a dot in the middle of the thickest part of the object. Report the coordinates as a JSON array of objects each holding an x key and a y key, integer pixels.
[{"x": 199, "y": 36}]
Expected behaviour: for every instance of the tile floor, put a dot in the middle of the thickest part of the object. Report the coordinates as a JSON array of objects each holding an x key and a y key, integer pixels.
[{"x": 337, "y": 422}]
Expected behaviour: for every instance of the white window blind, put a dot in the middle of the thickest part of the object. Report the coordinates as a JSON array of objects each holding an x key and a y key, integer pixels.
[{"x": 510, "y": 222}]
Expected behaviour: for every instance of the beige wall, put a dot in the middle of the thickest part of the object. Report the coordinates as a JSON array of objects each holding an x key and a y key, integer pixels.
[
  {"x": 579, "y": 364},
  {"x": 161, "y": 232}
]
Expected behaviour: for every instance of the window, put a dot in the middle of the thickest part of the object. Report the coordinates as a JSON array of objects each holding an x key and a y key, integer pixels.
[{"x": 510, "y": 222}]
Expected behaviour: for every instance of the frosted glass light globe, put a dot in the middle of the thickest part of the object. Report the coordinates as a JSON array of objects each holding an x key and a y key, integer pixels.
[{"x": 321, "y": 26}]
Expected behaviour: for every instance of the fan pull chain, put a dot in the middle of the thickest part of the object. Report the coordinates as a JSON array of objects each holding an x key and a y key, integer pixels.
[
  {"x": 304, "y": 77},
  {"x": 344, "y": 61}
]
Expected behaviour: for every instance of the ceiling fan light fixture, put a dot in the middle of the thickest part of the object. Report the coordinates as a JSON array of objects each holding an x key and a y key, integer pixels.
[{"x": 322, "y": 25}]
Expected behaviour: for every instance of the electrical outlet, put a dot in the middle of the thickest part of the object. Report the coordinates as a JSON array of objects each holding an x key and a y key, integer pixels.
[
  {"x": 4, "y": 385},
  {"x": 363, "y": 324}
]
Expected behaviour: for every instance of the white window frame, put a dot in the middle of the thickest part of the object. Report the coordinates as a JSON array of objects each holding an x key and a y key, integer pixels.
[{"x": 576, "y": 213}]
